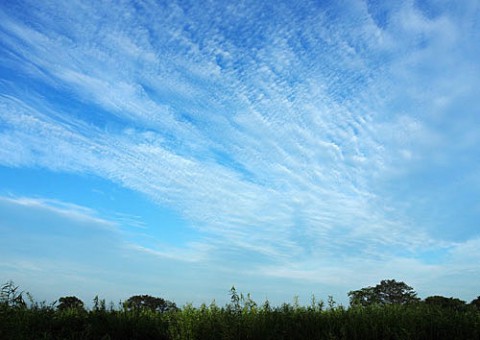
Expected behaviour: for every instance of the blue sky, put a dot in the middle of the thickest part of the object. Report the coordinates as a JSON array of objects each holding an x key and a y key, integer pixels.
[{"x": 177, "y": 148}]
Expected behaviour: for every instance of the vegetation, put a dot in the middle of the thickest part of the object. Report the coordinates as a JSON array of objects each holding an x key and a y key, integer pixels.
[
  {"x": 70, "y": 302},
  {"x": 394, "y": 313},
  {"x": 147, "y": 302},
  {"x": 386, "y": 292}
]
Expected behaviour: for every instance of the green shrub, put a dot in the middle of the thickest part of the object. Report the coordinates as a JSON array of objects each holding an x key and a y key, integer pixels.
[{"x": 242, "y": 318}]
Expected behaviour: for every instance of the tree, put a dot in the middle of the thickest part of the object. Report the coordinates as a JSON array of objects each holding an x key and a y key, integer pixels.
[
  {"x": 391, "y": 291},
  {"x": 476, "y": 303},
  {"x": 386, "y": 292},
  {"x": 363, "y": 297},
  {"x": 147, "y": 302},
  {"x": 70, "y": 302},
  {"x": 444, "y": 302}
]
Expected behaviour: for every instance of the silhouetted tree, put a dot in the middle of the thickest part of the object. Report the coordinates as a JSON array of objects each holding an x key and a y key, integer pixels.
[
  {"x": 444, "y": 302},
  {"x": 147, "y": 302},
  {"x": 70, "y": 302},
  {"x": 476, "y": 303},
  {"x": 99, "y": 305},
  {"x": 363, "y": 297},
  {"x": 386, "y": 292}
]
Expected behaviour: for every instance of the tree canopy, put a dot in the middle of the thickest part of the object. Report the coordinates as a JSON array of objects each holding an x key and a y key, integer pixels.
[
  {"x": 444, "y": 302},
  {"x": 476, "y": 302},
  {"x": 70, "y": 302},
  {"x": 147, "y": 302},
  {"x": 386, "y": 292}
]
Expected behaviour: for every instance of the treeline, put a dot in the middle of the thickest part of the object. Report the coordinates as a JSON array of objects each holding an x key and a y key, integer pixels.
[{"x": 390, "y": 310}]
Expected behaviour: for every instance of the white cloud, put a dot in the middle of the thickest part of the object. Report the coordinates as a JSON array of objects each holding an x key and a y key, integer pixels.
[
  {"x": 68, "y": 210},
  {"x": 287, "y": 151},
  {"x": 273, "y": 145}
]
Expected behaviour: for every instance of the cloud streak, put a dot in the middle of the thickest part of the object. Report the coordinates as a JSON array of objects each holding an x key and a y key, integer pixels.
[{"x": 275, "y": 130}]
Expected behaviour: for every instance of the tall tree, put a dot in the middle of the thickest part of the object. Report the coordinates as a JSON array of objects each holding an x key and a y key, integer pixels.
[
  {"x": 70, "y": 302},
  {"x": 444, "y": 302},
  {"x": 476, "y": 303},
  {"x": 386, "y": 292},
  {"x": 363, "y": 297},
  {"x": 147, "y": 302}
]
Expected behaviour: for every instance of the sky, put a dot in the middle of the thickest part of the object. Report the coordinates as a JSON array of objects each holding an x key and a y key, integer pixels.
[{"x": 289, "y": 148}]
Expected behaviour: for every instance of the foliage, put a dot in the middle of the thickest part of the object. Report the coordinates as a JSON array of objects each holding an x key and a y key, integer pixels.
[
  {"x": 147, "y": 302},
  {"x": 242, "y": 318},
  {"x": 70, "y": 302},
  {"x": 444, "y": 302},
  {"x": 476, "y": 303},
  {"x": 11, "y": 297},
  {"x": 386, "y": 292}
]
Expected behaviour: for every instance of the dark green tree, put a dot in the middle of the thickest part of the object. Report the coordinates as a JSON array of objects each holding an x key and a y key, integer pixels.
[
  {"x": 476, "y": 303},
  {"x": 444, "y": 302},
  {"x": 70, "y": 302},
  {"x": 391, "y": 291},
  {"x": 147, "y": 302},
  {"x": 386, "y": 292},
  {"x": 363, "y": 297}
]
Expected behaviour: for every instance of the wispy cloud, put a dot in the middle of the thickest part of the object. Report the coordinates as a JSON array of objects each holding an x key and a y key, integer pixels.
[
  {"x": 69, "y": 210},
  {"x": 274, "y": 130}
]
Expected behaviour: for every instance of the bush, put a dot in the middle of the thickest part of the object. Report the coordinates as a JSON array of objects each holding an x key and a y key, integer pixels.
[{"x": 242, "y": 318}]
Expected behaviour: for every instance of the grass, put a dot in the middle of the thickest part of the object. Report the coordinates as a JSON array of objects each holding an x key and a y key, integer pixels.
[{"x": 240, "y": 319}]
